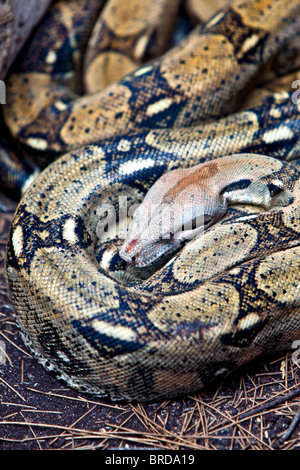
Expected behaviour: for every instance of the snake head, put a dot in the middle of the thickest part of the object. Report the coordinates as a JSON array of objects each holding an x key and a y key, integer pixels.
[
  {"x": 175, "y": 210},
  {"x": 183, "y": 202}
]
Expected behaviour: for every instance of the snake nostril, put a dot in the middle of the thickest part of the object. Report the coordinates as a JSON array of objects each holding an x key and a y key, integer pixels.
[
  {"x": 131, "y": 245},
  {"x": 134, "y": 260}
]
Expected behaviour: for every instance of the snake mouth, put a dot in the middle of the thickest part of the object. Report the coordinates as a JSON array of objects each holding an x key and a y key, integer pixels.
[
  {"x": 154, "y": 253},
  {"x": 140, "y": 254}
]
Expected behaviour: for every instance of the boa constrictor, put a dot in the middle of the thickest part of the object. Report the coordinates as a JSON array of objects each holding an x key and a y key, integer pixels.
[{"x": 229, "y": 294}]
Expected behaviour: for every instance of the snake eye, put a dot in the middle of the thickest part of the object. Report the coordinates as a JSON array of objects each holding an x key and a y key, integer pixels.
[
  {"x": 207, "y": 219},
  {"x": 275, "y": 187}
]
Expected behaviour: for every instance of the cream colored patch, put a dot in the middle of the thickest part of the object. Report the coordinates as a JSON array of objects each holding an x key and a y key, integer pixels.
[
  {"x": 281, "y": 133},
  {"x": 122, "y": 333},
  {"x": 246, "y": 217},
  {"x": 129, "y": 167},
  {"x": 248, "y": 321},
  {"x": 50, "y": 249},
  {"x": 51, "y": 57},
  {"x": 275, "y": 113},
  {"x": 124, "y": 145},
  {"x": 215, "y": 20},
  {"x": 61, "y": 106},
  {"x": 17, "y": 240},
  {"x": 159, "y": 106},
  {"x": 248, "y": 44},
  {"x": 141, "y": 46},
  {"x": 44, "y": 234},
  {"x": 97, "y": 152},
  {"x": 63, "y": 356},
  {"x": 281, "y": 96},
  {"x": 37, "y": 143},
  {"x": 278, "y": 183},
  {"x": 106, "y": 258},
  {"x": 69, "y": 231},
  {"x": 143, "y": 70}
]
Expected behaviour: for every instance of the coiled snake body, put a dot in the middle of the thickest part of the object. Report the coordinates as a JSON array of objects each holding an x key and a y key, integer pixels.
[{"x": 229, "y": 294}]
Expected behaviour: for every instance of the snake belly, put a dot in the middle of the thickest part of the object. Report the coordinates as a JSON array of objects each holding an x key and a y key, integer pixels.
[{"x": 227, "y": 296}]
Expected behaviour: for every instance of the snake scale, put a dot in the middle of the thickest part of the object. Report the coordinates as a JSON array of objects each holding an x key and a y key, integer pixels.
[{"x": 141, "y": 110}]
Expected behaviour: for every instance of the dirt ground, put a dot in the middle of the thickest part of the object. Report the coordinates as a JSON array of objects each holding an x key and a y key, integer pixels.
[{"x": 257, "y": 408}]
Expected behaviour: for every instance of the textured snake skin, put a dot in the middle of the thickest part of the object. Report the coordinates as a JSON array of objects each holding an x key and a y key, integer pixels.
[{"x": 228, "y": 295}]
